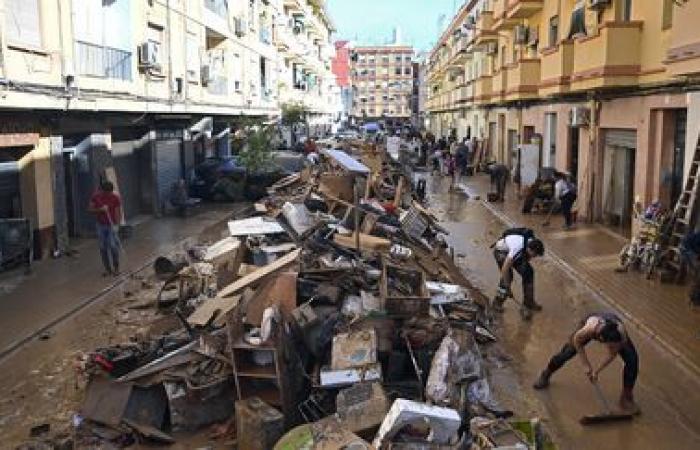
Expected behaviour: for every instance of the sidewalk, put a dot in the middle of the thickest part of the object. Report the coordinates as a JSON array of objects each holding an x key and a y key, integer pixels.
[
  {"x": 590, "y": 252},
  {"x": 56, "y": 288}
]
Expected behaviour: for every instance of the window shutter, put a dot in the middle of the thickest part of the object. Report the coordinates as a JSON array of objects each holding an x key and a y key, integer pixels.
[{"x": 22, "y": 22}]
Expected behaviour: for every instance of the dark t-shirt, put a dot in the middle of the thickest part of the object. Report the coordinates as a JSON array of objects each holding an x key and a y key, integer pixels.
[{"x": 109, "y": 199}]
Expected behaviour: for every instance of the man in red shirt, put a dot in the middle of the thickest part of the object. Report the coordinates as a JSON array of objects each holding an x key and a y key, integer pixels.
[{"x": 107, "y": 207}]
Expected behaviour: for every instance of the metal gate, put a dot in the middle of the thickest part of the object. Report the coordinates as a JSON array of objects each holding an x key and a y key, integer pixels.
[
  {"x": 168, "y": 168},
  {"x": 9, "y": 190}
]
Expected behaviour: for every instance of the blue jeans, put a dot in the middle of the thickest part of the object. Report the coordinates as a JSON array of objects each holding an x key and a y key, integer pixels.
[{"x": 109, "y": 247}]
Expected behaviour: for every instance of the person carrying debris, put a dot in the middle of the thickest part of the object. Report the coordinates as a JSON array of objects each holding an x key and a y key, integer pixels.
[
  {"x": 514, "y": 250},
  {"x": 499, "y": 176},
  {"x": 608, "y": 329},
  {"x": 106, "y": 205}
]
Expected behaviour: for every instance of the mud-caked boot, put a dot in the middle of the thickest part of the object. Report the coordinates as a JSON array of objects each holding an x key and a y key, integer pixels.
[
  {"x": 542, "y": 381},
  {"x": 627, "y": 403},
  {"x": 499, "y": 300},
  {"x": 529, "y": 298}
]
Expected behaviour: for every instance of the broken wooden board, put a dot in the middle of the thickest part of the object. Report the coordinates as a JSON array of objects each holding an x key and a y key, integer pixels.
[
  {"x": 347, "y": 162},
  {"x": 259, "y": 274},
  {"x": 215, "y": 307},
  {"x": 367, "y": 242},
  {"x": 338, "y": 186}
]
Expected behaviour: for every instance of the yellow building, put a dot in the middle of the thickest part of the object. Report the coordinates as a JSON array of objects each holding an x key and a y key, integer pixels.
[
  {"x": 382, "y": 82},
  {"x": 140, "y": 92},
  {"x": 603, "y": 89}
]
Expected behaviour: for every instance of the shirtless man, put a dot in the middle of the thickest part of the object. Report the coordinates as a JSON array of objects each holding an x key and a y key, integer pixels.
[{"x": 606, "y": 328}]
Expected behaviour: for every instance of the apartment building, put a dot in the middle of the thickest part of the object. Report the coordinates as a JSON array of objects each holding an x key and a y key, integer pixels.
[
  {"x": 341, "y": 70},
  {"x": 382, "y": 82},
  {"x": 139, "y": 92},
  {"x": 603, "y": 89}
]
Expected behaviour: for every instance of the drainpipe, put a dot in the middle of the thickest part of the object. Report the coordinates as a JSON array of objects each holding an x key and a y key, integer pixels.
[{"x": 593, "y": 134}]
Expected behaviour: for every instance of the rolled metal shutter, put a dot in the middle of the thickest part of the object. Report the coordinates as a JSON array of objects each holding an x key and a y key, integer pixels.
[
  {"x": 126, "y": 167},
  {"x": 621, "y": 138},
  {"x": 168, "y": 168},
  {"x": 9, "y": 189}
]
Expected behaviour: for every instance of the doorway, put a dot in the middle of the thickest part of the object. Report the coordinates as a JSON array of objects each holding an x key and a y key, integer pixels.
[
  {"x": 618, "y": 174},
  {"x": 549, "y": 149},
  {"x": 678, "y": 165},
  {"x": 492, "y": 141},
  {"x": 573, "y": 152}
]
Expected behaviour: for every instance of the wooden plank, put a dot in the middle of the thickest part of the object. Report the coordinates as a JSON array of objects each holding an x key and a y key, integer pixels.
[
  {"x": 367, "y": 242},
  {"x": 399, "y": 193},
  {"x": 259, "y": 274},
  {"x": 214, "y": 307}
]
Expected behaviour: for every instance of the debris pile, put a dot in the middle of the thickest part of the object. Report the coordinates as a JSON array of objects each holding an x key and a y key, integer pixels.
[{"x": 333, "y": 316}]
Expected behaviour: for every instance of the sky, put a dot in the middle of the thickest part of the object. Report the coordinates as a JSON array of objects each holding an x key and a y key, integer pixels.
[{"x": 371, "y": 22}]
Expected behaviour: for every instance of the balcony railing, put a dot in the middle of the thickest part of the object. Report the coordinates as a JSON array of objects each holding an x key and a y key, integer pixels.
[
  {"x": 100, "y": 61},
  {"x": 556, "y": 68}
]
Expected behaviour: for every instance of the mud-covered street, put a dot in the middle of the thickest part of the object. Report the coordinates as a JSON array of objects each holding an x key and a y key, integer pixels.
[{"x": 668, "y": 395}]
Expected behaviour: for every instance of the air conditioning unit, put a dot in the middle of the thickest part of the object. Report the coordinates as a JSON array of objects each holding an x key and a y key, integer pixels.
[
  {"x": 205, "y": 74},
  {"x": 239, "y": 26},
  {"x": 491, "y": 48},
  {"x": 579, "y": 116},
  {"x": 598, "y": 4},
  {"x": 149, "y": 56},
  {"x": 521, "y": 32}
]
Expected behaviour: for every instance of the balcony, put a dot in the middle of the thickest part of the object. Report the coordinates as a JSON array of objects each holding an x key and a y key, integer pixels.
[
  {"x": 610, "y": 58},
  {"x": 500, "y": 84},
  {"x": 500, "y": 19},
  {"x": 522, "y": 9},
  {"x": 483, "y": 89},
  {"x": 102, "y": 62},
  {"x": 294, "y": 5},
  {"x": 557, "y": 64},
  {"x": 484, "y": 29},
  {"x": 683, "y": 54},
  {"x": 216, "y": 16},
  {"x": 523, "y": 80}
]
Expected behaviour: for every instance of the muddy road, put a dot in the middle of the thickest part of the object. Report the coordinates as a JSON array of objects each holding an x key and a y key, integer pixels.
[{"x": 668, "y": 395}]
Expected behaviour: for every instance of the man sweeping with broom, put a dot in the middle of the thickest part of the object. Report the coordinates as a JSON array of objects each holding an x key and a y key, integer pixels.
[{"x": 606, "y": 328}]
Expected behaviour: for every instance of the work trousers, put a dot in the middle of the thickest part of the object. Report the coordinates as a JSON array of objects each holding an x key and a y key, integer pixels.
[
  {"x": 567, "y": 201},
  {"x": 526, "y": 272},
  {"x": 109, "y": 247},
  {"x": 627, "y": 352}
]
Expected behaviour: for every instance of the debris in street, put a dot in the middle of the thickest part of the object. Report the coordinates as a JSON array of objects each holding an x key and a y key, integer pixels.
[{"x": 335, "y": 314}]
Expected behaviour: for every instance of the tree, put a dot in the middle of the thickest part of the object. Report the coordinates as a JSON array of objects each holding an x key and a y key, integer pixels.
[
  {"x": 257, "y": 155},
  {"x": 294, "y": 113}
]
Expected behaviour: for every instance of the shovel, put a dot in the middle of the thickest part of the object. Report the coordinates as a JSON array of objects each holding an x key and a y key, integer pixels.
[{"x": 607, "y": 415}]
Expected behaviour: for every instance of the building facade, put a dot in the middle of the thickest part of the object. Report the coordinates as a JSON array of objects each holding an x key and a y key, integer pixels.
[
  {"x": 603, "y": 89},
  {"x": 382, "y": 82},
  {"x": 341, "y": 70},
  {"x": 138, "y": 93}
]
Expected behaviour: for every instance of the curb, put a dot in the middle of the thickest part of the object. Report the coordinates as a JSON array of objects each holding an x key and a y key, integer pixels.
[{"x": 690, "y": 367}]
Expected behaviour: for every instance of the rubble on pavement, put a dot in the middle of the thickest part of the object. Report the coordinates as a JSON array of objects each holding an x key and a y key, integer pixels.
[{"x": 333, "y": 316}]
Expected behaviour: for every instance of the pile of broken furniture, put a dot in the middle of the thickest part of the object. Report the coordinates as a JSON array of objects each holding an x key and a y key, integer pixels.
[{"x": 333, "y": 316}]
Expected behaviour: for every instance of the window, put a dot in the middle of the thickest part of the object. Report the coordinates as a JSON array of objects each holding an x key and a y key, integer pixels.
[
  {"x": 667, "y": 15},
  {"x": 578, "y": 20},
  {"x": 237, "y": 71},
  {"x": 398, "y": 59},
  {"x": 626, "y": 12},
  {"x": 385, "y": 60},
  {"x": 407, "y": 71},
  {"x": 397, "y": 71},
  {"x": 22, "y": 22},
  {"x": 193, "y": 59},
  {"x": 553, "y": 31}
]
